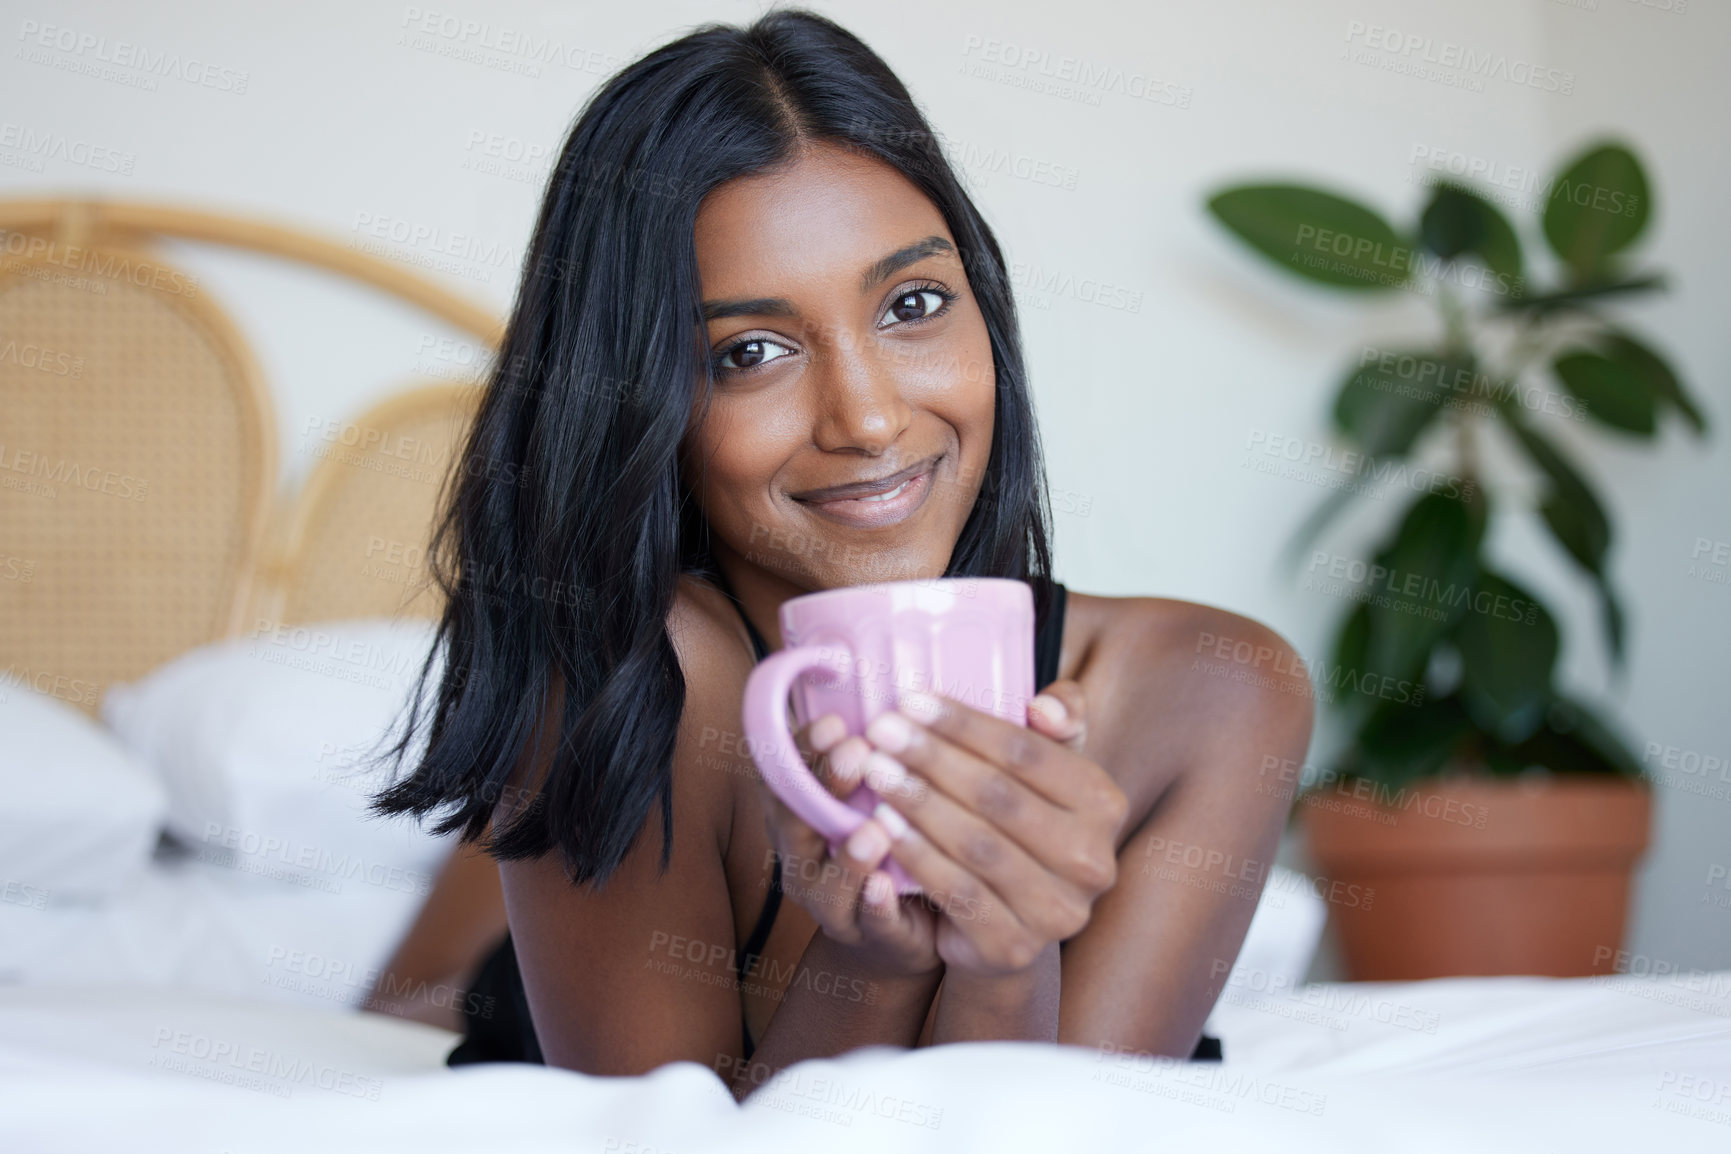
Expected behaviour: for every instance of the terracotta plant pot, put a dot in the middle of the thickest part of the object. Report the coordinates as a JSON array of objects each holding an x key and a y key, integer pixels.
[{"x": 1467, "y": 875}]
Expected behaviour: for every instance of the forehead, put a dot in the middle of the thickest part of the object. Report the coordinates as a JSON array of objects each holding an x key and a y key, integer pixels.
[{"x": 829, "y": 211}]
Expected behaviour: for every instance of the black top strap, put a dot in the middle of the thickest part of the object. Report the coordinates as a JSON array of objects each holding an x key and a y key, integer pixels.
[
  {"x": 765, "y": 922},
  {"x": 1049, "y": 640},
  {"x": 757, "y": 642}
]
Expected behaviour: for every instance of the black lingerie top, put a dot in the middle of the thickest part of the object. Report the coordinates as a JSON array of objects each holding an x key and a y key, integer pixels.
[{"x": 497, "y": 1027}]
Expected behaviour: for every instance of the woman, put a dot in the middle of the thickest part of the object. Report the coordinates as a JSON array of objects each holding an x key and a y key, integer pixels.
[{"x": 765, "y": 345}]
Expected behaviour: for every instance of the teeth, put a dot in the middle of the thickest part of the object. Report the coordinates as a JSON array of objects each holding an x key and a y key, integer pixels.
[{"x": 887, "y": 496}]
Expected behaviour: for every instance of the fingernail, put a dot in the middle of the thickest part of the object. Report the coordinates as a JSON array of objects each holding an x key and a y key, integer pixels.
[
  {"x": 845, "y": 760},
  {"x": 867, "y": 843},
  {"x": 890, "y": 731},
  {"x": 826, "y": 731},
  {"x": 919, "y": 706},
  {"x": 884, "y": 773},
  {"x": 895, "y": 823},
  {"x": 1052, "y": 708}
]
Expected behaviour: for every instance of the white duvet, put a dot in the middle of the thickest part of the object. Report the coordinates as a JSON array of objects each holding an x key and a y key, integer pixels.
[
  {"x": 1480, "y": 1065},
  {"x": 205, "y": 1003}
]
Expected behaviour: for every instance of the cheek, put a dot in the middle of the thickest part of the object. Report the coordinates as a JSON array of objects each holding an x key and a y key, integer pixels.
[
  {"x": 974, "y": 372},
  {"x": 734, "y": 457},
  {"x": 956, "y": 371},
  {"x": 975, "y": 386}
]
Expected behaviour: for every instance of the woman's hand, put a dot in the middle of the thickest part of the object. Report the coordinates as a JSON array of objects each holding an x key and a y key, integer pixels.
[
  {"x": 1011, "y": 829},
  {"x": 853, "y": 901}
]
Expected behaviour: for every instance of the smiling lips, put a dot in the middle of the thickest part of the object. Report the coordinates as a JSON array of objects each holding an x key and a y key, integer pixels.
[{"x": 874, "y": 504}]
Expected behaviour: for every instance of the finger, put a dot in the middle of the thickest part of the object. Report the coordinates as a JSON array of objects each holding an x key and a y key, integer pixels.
[
  {"x": 846, "y": 763},
  {"x": 977, "y": 811},
  {"x": 822, "y": 734},
  {"x": 991, "y": 800},
  {"x": 948, "y": 887},
  {"x": 817, "y": 744},
  {"x": 881, "y": 915},
  {"x": 888, "y": 919},
  {"x": 789, "y": 833},
  {"x": 828, "y": 887},
  {"x": 860, "y": 856},
  {"x": 969, "y": 854},
  {"x": 1029, "y": 756},
  {"x": 1060, "y": 712}
]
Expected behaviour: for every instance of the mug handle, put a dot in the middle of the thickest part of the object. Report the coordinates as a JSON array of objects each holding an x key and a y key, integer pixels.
[{"x": 778, "y": 758}]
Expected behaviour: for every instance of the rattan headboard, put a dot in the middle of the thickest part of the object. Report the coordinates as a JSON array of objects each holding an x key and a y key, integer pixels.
[
  {"x": 139, "y": 515},
  {"x": 354, "y": 542}
]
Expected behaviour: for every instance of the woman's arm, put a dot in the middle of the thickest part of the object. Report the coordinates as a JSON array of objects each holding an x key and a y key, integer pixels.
[
  {"x": 463, "y": 918},
  {"x": 887, "y": 1012},
  {"x": 1185, "y": 747},
  {"x": 1188, "y": 735},
  {"x": 641, "y": 971},
  {"x": 1022, "y": 1006}
]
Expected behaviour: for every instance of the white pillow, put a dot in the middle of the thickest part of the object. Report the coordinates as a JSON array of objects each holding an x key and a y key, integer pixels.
[
  {"x": 1283, "y": 934},
  {"x": 79, "y": 815},
  {"x": 260, "y": 740}
]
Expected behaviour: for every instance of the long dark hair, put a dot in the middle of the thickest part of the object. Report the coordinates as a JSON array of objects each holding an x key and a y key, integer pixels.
[{"x": 565, "y": 527}]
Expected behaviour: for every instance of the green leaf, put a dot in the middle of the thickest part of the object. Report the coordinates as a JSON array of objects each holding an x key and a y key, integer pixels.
[
  {"x": 1576, "y": 518},
  {"x": 1586, "y": 540},
  {"x": 1502, "y": 760},
  {"x": 1578, "y": 528},
  {"x": 1567, "y": 487},
  {"x": 1450, "y": 225},
  {"x": 1572, "y": 719},
  {"x": 1385, "y": 404},
  {"x": 1350, "y": 646},
  {"x": 1573, "y": 740},
  {"x": 1508, "y": 648},
  {"x": 1563, "y": 299},
  {"x": 1318, "y": 519},
  {"x": 1615, "y": 394},
  {"x": 1316, "y": 235},
  {"x": 1597, "y": 207},
  {"x": 1421, "y": 584},
  {"x": 1400, "y": 743},
  {"x": 1652, "y": 370},
  {"x": 1611, "y": 615},
  {"x": 1459, "y": 222}
]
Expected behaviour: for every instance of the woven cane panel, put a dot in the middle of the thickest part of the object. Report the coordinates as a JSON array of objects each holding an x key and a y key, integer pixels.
[
  {"x": 132, "y": 469},
  {"x": 359, "y": 545}
]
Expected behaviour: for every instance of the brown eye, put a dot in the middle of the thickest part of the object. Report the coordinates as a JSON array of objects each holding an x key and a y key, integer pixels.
[
  {"x": 915, "y": 305},
  {"x": 750, "y": 354}
]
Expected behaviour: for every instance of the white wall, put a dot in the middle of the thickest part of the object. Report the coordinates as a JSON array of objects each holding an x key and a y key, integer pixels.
[{"x": 349, "y": 116}]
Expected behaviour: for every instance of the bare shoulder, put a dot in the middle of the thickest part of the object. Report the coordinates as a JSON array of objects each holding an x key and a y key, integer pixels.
[
  {"x": 709, "y": 659},
  {"x": 716, "y": 657},
  {"x": 704, "y": 626},
  {"x": 595, "y": 958},
  {"x": 1177, "y": 630},
  {"x": 1203, "y": 675}
]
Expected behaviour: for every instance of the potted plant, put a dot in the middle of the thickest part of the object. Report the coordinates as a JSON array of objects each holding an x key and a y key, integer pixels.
[{"x": 1495, "y": 818}]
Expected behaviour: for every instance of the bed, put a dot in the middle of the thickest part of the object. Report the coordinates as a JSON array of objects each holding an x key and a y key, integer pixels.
[
  {"x": 1512, "y": 1064},
  {"x": 193, "y": 903}
]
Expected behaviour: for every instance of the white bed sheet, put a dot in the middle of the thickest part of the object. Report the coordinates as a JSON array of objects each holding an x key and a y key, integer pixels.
[
  {"x": 1487, "y": 1065},
  {"x": 205, "y": 926}
]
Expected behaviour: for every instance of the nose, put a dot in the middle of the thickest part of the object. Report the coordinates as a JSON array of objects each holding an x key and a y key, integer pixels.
[{"x": 859, "y": 403}]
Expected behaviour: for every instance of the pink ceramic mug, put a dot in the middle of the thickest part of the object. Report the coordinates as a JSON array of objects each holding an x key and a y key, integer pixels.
[{"x": 851, "y": 650}]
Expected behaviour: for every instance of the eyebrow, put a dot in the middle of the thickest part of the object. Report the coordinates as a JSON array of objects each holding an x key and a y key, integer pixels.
[
  {"x": 901, "y": 258},
  {"x": 879, "y": 272}
]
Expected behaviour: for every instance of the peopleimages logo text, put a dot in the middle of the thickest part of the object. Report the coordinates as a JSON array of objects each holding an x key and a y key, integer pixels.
[{"x": 1480, "y": 63}]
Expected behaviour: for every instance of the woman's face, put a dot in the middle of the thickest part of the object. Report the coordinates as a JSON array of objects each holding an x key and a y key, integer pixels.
[{"x": 847, "y": 348}]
